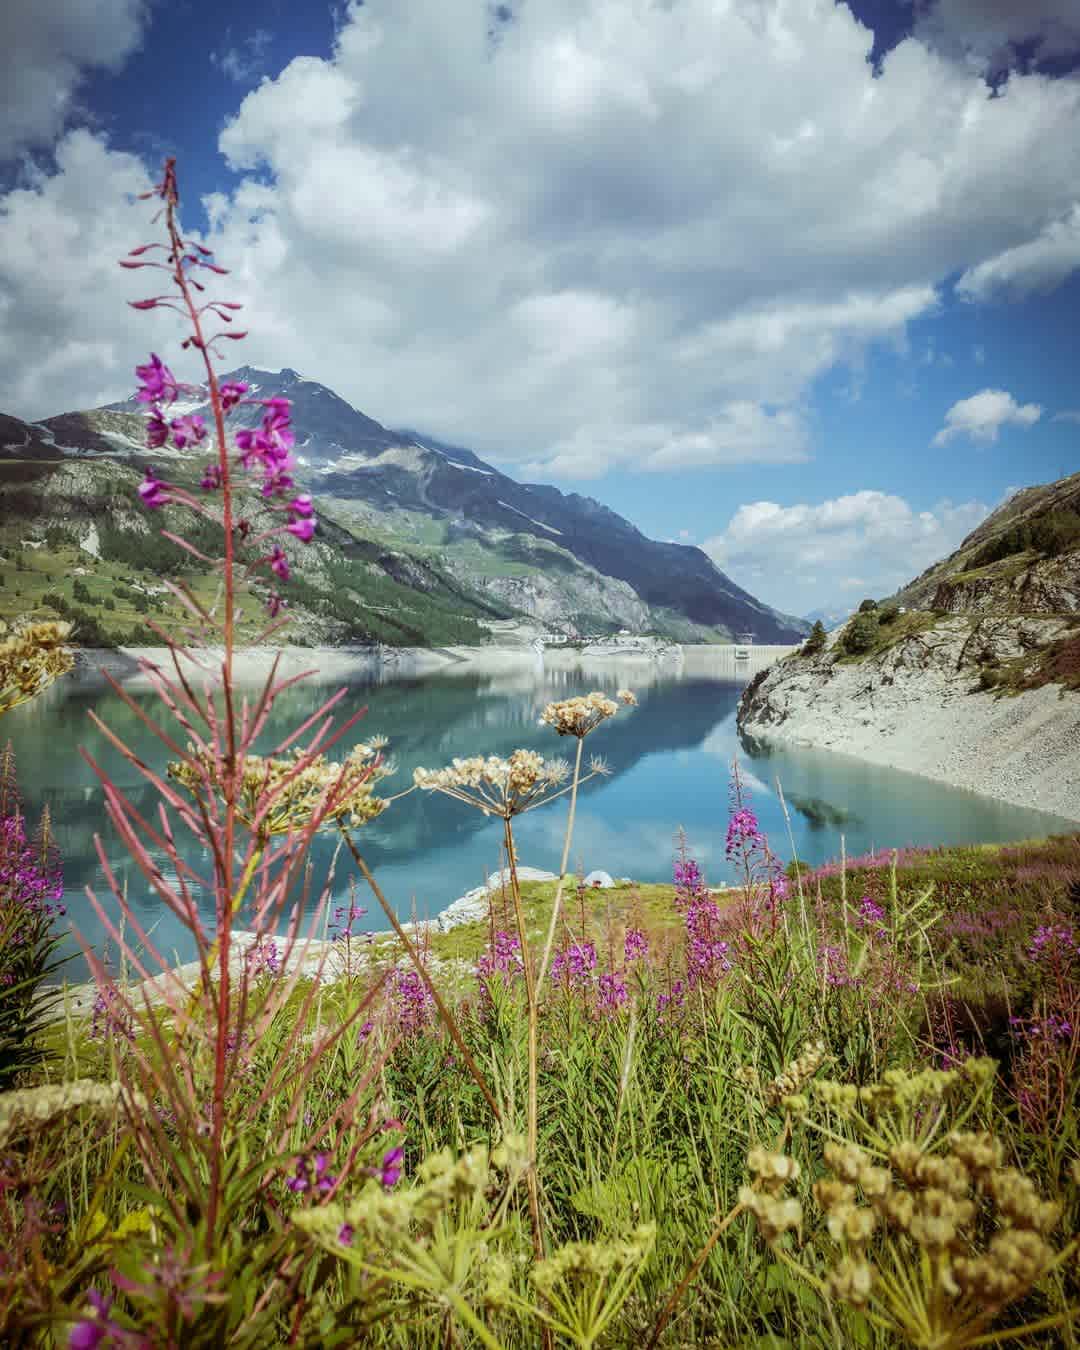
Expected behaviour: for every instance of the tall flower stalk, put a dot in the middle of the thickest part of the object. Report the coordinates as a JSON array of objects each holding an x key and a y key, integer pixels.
[{"x": 253, "y": 818}]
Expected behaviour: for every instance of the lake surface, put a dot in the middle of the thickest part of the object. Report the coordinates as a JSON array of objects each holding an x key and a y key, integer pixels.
[{"x": 669, "y": 757}]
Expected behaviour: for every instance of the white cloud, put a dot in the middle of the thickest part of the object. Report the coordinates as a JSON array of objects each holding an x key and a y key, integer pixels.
[
  {"x": 978, "y": 353},
  {"x": 246, "y": 60},
  {"x": 983, "y": 415},
  {"x": 1038, "y": 264},
  {"x": 46, "y": 46},
  {"x": 799, "y": 556},
  {"x": 623, "y": 235}
]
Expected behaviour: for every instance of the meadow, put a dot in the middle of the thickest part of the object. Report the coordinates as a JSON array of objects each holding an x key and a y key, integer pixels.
[{"x": 831, "y": 1107}]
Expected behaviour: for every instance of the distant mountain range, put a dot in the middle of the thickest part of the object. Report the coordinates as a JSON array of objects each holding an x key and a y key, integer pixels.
[
  {"x": 830, "y": 618},
  {"x": 422, "y": 524}
]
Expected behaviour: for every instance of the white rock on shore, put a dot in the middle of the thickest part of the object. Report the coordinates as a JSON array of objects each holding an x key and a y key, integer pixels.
[{"x": 917, "y": 707}]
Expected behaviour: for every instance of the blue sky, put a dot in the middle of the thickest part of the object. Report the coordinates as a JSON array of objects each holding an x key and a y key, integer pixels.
[{"x": 793, "y": 280}]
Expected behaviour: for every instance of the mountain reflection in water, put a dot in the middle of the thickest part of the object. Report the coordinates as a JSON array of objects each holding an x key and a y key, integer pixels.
[{"x": 669, "y": 761}]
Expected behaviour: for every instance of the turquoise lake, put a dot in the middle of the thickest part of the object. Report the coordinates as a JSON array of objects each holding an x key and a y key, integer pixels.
[{"x": 669, "y": 759}]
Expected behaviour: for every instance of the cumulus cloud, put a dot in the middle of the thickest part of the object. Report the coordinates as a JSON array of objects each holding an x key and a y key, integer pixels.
[
  {"x": 46, "y": 46},
  {"x": 620, "y": 236},
  {"x": 245, "y": 60},
  {"x": 1038, "y": 264},
  {"x": 987, "y": 35},
  {"x": 981, "y": 416},
  {"x": 808, "y": 554}
]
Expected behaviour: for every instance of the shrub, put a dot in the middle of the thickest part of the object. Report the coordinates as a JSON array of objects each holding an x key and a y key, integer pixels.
[
  {"x": 816, "y": 641},
  {"x": 80, "y": 592},
  {"x": 888, "y": 613},
  {"x": 861, "y": 633},
  {"x": 868, "y": 606}
]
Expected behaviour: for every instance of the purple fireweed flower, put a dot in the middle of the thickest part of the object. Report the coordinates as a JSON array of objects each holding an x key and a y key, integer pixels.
[
  {"x": 503, "y": 957},
  {"x": 279, "y": 564},
  {"x": 743, "y": 834},
  {"x": 157, "y": 430},
  {"x": 708, "y": 956},
  {"x": 611, "y": 992},
  {"x": 88, "y": 1333},
  {"x": 574, "y": 965},
  {"x": 389, "y": 1174},
  {"x": 152, "y": 491},
  {"x": 302, "y": 529},
  {"x": 300, "y": 506},
  {"x": 676, "y": 1000},
  {"x": 263, "y": 958},
  {"x": 412, "y": 1001},
  {"x": 635, "y": 945},
  {"x": 232, "y": 391},
  {"x": 188, "y": 430},
  {"x": 211, "y": 479},
  {"x": 1053, "y": 941},
  {"x": 346, "y": 1233},
  {"x": 158, "y": 382},
  {"x": 275, "y": 604}
]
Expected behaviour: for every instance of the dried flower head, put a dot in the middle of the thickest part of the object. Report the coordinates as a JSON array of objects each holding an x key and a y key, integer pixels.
[
  {"x": 498, "y": 787},
  {"x": 31, "y": 658},
  {"x": 297, "y": 791},
  {"x": 578, "y": 716}
]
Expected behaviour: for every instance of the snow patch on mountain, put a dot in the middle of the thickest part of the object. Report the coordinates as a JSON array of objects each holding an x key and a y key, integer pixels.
[{"x": 523, "y": 515}]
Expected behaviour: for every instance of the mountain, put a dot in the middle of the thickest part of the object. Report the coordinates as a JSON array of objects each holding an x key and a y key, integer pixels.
[
  {"x": 561, "y": 560},
  {"x": 830, "y": 618},
  {"x": 1023, "y": 559},
  {"x": 971, "y": 676}
]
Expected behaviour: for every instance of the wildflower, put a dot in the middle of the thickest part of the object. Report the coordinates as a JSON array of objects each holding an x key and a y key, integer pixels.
[
  {"x": 579, "y": 716},
  {"x": 188, "y": 430},
  {"x": 152, "y": 490},
  {"x": 500, "y": 787},
  {"x": 346, "y": 1233},
  {"x": 88, "y": 1333},
  {"x": 158, "y": 382},
  {"x": 574, "y": 965},
  {"x": 413, "y": 1001},
  {"x": 275, "y": 604},
  {"x": 635, "y": 945},
  {"x": 302, "y": 529},
  {"x": 211, "y": 479},
  {"x": 611, "y": 992},
  {"x": 279, "y": 564},
  {"x": 389, "y": 1173},
  {"x": 157, "y": 430},
  {"x": 300, "y": 506},
  {"x": 232, "y": 391},
  {"x": 743, "y": 832}
]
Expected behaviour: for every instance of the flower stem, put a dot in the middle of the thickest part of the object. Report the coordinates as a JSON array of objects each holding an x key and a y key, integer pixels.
[{"x": 556, "y": 908}]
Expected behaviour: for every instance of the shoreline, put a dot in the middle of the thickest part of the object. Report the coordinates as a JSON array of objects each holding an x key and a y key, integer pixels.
[
  {"x": 926, "y": 719},
  {"x": 347, "y": 664}
]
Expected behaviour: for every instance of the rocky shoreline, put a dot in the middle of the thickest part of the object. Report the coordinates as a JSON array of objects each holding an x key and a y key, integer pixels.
[{"x": 918, "y": 707}]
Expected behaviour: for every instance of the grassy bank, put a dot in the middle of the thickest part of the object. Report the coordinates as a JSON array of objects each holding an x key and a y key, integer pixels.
[{"x": 696, "y": 1053}]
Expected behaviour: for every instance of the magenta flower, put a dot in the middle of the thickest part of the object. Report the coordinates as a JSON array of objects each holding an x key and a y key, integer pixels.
[
  {"x": 158, "y": 382},
  {"x": 188, "y": 430},
  {"x": 279, "y": 564},
  {"x": 635, "y": 945},
  {"x": 276, "y": 604},
  {"x": 157, "y": 430},
  {"x": 152, "y": 490},
  {"x": 211, "y": 479},
  {"x": 300, "y": 506},
  {"x": 346, "y": 1234},
  {"x": 389, "y": 1173},
  {"x": 304, "y": 530},
  {"x": 232, "y": 391}
]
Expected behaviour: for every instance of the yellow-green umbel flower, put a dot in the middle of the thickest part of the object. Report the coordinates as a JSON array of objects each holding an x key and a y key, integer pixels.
[
  {"x": 31, "y": 658},
  {"x": 299, "y": 793}
]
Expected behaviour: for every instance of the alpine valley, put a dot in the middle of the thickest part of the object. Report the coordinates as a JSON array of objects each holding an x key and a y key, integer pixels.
[{"x": 420, "y": 543}]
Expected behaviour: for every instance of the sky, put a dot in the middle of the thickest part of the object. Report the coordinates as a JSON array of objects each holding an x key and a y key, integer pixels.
[{"x": 797, "y": 281}]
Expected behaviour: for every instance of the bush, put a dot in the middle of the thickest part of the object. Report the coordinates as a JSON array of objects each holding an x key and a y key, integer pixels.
[
  {"x": 816, "y": 641},
  {"x": 868, "y": 606},
  {"x": 80, "y": 592},
  {"x": 888, "y": 613},
  {"x": 861, "y": 633}
]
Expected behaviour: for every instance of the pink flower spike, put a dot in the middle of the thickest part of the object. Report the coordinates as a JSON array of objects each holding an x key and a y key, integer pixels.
[
  {"x": 303, "y": 529},
  {"x": 279, "y": 564},
  {"x": 276, "y": 604},
  {"x": 301, "y": 505},
  {"x": 143, "y": 304}
]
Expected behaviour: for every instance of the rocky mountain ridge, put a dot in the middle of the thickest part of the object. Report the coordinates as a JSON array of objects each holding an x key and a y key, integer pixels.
[
  {"x": 563, "y": 560},
  {"x": 971, "y": 674}
]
